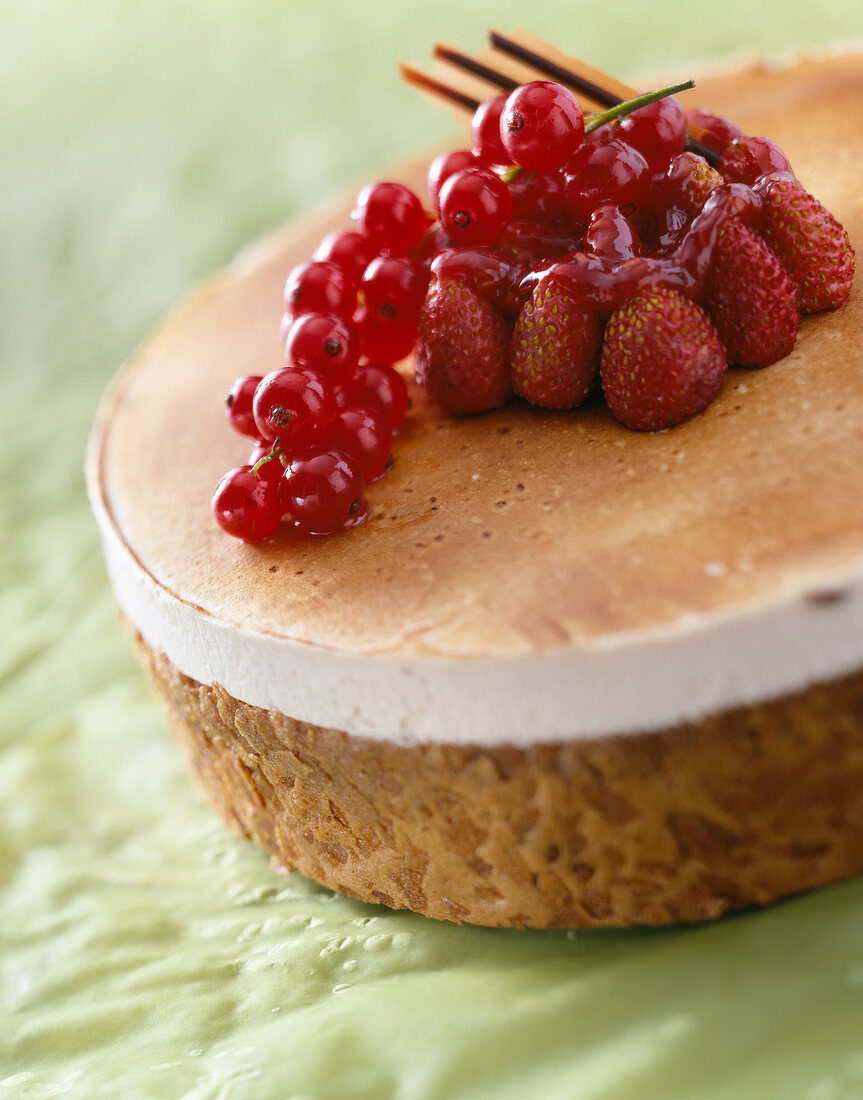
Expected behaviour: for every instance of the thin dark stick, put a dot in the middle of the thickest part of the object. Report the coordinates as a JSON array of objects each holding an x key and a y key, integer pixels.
[
  {"x": 463, "y": 61},
  {"x": 429, "y": 84},
  {"x": 557, "y": 72}
]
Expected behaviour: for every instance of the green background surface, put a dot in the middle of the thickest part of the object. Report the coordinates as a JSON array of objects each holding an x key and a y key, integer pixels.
[{"x": 144, "y": 951}]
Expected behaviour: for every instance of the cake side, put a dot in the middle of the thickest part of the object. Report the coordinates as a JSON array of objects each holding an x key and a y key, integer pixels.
[{"x": 748, "y": 806}]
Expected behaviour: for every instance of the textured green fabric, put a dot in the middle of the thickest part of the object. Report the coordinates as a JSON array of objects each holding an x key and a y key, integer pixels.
[{"x": 144, "y": 951}]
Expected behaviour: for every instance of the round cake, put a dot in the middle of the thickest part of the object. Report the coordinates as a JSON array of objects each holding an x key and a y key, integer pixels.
[{"x": 564, "y": 674}]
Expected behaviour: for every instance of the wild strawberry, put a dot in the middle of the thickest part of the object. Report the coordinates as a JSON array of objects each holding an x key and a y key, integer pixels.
[
  {"x": 687, "y": 183},
  {"x": 662, "y": 360},
  {"x": 462, "y": 347},
  {"x": 750, "y": 298},
  {"x": 812, "y": 245},
  {"x": 746, "y": 159},
  {"x": 554, "y": 354}
]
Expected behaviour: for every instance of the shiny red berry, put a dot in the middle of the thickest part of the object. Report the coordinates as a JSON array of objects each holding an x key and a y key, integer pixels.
[
  {"x": 238, "y": 405},
  {"x": 365, "y": 435},
  {"x": 611, "y": 172},
  {"x": 485, "y": 129},
  {"x": 444, "y": 166},
  {"x": 657, "y": 131},
  {"x": 382, "y": 339},
  {"x": 323, "y": 490},
  {"x": 319, "y": 286},
  {"x": 294, "y": 406},
  {"x": 541, "y": 125},
  {"x": 246, "y": 506},
  {"x": 391, "y": 216},
  {"x": 322, "y": 342},
  {"x": 348, "y": 250},
  {"x": 394, "y": 287},
  {"x": 380, "y": 387},
  {"x": 475, "y": 205}
]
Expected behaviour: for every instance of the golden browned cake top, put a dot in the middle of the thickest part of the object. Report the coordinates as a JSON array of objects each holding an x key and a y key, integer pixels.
[{"x": 519, "y": 530}]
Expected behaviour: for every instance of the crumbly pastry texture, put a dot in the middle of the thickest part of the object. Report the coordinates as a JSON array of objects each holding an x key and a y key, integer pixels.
[{"x": 748, "y": 806}]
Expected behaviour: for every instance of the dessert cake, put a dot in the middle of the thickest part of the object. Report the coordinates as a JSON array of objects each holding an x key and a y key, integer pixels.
[{"x": 564, "y": 673}]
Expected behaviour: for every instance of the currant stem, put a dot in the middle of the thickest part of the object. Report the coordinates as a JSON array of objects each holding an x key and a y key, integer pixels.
[
  {"x": 274, "y": 453},
  {"x": 620, "y": 110}
]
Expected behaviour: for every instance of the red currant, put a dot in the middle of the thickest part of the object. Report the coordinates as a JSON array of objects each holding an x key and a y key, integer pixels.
[
  {"x": 494, "y": 275},
  {"x": 474, "y": 206},
  {"x": 319, "y": 287},
  {"x": 485, "y": 129},
  {"x": 394, "y": 287},
  {"x": 539, "y": 196},
  {"x": 350, "y": 251},
  {"x": 382, "y": 339},
  {"x": 391, "y": 216},
  {"x": 657, "y": 131},
  {"x": 718, "y": 131},
  {"x": 247, "y": 506},
  {"x": 323, "y": 490},
  {"x": 444, "y": 166},
  {"x": 541, "y": 125},
  {"x": 294, "y": 406},
  {"x": 612, "y": 172},
  {"x": 238, "y": 405},
  {"x": 364, "y": 434},
  {"x": 322, "y": 342},
  {"x": 380, "y": 387}
]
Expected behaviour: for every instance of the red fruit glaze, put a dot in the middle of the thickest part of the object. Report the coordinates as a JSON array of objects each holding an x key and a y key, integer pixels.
[
  {"x": 322, "y": 342},
  {"x": 485, "y": 129},
  {"x": 750, "y": 298},
  {"x": 323, "y": 490},
  {"x": 238, "y": 405},
  {"x": 391, "y": 216},
  {"x": 320, "y": 287},
  {"x": 541, "y": 125},
  {"x": 662, "y": 360},
  {"x": 462, "y": 350},
  {"x": 610, "y": 172},
  {"x": 379, "y": 387},
  {"x": 246, "y": 506},
  {"x": 294, "y": 406},
  {"x": 610, "y": 234},
  {"x": 475, "y": 205},
  {"x": 539, "y": 196},
  {"x": 365, "y": 435}
]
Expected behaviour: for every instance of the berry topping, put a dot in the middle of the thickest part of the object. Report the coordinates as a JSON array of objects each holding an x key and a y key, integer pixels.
[
  {"x": 320, "y": 287},
  {"x": 381, "y": 339},
  {"x": 322, "y": 342},
  {"x": 462, "y": 349},
  {"x": 365, "y": 435},
  {"x": 686, "y": 185},
  {"x": 379, "y": 387},
  {"x": 391, "y": 216},
  {"x": 394, "y": 287},
  {"x": 609, "y": 172},
  {"x": 713, "y": 130},
  {"x": 610, "y": 234},
  {"x": 247, "y": 506},
  {"x": 813, "y": 247},
  {"x": 475, "y": 205},
  {"x": 485, "y": 128},
  {"x": 745, "y": 159},
  {"x": 750, "y": 298},
  {"x": 657, "y": 131},
  {"x": 662, "y": 360},
  {"x": 238, "y": 405},
  {"x": 541, "y": 125},
  {"x": 350, "y": 251},
  {"x": 323, "y": 490},
  {"x": 554, "y": 355},
  {"x": 444, "y": 166},
  {"x": 293, "y": 406}
]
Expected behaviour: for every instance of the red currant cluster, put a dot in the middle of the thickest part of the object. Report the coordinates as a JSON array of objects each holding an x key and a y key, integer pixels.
[{"x": 323, "y": 425}]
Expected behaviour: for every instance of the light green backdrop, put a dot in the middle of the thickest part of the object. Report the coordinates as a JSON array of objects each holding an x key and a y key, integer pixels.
[{"x": 145, "y": 952}]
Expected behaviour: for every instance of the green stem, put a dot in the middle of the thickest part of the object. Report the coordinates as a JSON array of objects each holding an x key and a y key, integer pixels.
[
  {"x": 274, "y": 453},
  {"x": 620, "y": 110}
]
